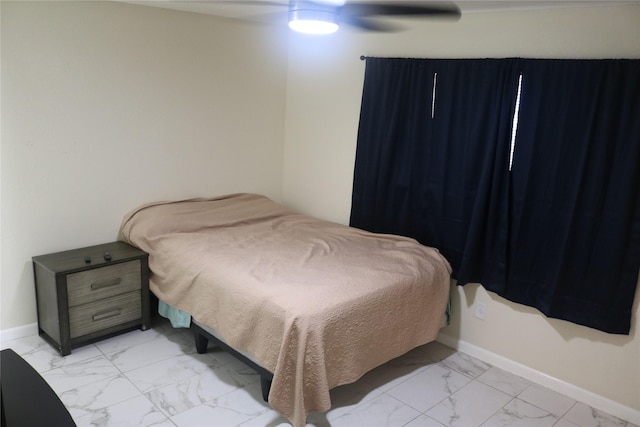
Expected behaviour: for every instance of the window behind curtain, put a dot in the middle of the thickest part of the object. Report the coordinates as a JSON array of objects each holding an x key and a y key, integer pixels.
[{"x": 433, "y": 161}]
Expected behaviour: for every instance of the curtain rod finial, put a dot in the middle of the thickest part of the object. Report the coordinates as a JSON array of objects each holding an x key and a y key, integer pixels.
[{"x": 362, "y": 57}]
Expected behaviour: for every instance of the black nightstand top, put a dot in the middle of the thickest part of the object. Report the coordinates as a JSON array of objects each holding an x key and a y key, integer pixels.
[{"x": 75, "y": 259}]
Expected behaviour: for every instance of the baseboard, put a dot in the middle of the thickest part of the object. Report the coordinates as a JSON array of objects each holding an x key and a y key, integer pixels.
[
  {"x": 19, "y": 332},
  {"x": 579, "y": 394}
]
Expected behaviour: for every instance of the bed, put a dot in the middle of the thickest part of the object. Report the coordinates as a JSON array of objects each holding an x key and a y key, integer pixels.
[{"x": 313, "y": 304}]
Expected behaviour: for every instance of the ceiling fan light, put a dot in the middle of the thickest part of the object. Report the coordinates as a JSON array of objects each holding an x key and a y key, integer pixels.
[{"x": 313, "y": 21}]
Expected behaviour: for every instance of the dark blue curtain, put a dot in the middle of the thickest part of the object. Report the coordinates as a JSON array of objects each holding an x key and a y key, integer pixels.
[
  {"x": 560, "y": 229},
  {"x": 575, "y": 234},
  {"x": 433, "y": 144}
]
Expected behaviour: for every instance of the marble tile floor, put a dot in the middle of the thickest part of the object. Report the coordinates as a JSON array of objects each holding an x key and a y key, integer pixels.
[{"x": 155, "y": 378}]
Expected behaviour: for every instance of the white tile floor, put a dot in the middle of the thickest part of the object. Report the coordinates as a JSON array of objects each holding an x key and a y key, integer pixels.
[{"x": 155, "y": 378}]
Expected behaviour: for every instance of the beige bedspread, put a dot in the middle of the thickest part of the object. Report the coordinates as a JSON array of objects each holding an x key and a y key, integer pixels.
[{"x": 317, "y": 303}]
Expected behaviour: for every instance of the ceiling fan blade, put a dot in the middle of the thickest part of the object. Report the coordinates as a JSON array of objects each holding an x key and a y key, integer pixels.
[
  {"x": 415, "y": 8},
  {"x": 356, "y": 14},
  {"x": 255, "y": 3},
  {"x": 369, "y": 24}
]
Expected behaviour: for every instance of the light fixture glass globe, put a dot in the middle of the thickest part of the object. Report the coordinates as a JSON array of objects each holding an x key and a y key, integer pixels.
[
  {"x": 309, "y": 26},
  {"x": 313, "y": 18}
]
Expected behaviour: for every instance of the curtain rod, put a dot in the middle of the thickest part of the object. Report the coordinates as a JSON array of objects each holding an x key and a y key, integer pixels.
[{"x": 362, "y": 57}]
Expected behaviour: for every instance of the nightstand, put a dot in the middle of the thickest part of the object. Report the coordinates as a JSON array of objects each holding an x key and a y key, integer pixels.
[{"x": 91, "y": 293}]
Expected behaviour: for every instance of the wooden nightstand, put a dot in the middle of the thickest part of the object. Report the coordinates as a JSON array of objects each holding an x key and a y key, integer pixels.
[{"x": 90, "y": 293}]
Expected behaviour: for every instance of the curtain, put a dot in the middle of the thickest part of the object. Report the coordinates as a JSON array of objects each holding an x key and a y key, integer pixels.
[
  {"x": 575, "y": 233},
  {"x": 432, "y": 143},
  {"x": 559, "y": 228},
  {"x": 396, "y": 103}
]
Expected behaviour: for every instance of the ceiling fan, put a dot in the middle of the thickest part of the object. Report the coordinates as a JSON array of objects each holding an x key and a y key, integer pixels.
[{"x": 324, "y": 17}]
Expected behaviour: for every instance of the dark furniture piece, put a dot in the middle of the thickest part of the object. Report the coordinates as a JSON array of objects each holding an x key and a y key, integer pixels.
[
  {"x": 27, "y": 400},
  {"x": 90, "y": 293}
]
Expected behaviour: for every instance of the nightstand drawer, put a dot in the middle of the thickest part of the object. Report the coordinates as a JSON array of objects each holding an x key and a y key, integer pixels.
[
  {"x": 105, "y": 313},
  {"x": 92, "y": 285}
]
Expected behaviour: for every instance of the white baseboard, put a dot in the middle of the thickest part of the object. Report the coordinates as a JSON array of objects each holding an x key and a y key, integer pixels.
[
  {"x": 579, "y": 394},
  {"x": 19, "y": 332}
]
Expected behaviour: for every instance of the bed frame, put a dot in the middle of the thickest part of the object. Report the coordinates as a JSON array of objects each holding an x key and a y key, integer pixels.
[{"x": 202, "y": 338}]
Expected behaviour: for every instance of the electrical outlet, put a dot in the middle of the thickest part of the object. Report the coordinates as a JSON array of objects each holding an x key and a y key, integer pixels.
[{"x": 481, "y": 310}]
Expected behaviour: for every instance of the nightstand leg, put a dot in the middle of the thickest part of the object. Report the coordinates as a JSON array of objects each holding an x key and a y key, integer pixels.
[{"x": 65, "y": 349}]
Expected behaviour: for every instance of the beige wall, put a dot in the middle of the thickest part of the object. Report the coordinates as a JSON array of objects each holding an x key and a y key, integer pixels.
[
  {"x": 324, "y": 86},
  {"x": 106, "y": 106}
]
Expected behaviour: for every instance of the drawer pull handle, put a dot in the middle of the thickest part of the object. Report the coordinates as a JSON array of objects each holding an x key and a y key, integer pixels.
[
  {"x": 106, "y": 314},
  {"x": 106, "y": 284}
]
